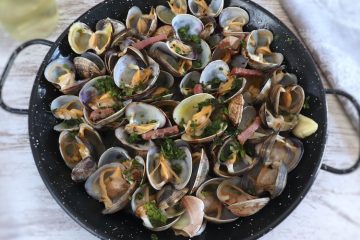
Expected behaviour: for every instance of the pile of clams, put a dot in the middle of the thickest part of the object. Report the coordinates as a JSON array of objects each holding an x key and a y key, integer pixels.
[{"x": 199, "y": 112}]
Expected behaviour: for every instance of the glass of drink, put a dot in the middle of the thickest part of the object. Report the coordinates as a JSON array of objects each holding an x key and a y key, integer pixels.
[{"x": 28, "y": 19}]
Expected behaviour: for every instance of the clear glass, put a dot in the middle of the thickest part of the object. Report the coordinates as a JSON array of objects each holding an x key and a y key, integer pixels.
[{"x": 28, "y": 19}]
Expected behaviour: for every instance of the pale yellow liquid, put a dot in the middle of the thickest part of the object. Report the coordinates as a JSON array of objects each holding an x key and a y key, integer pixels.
[{"x": 28, "y": 19}]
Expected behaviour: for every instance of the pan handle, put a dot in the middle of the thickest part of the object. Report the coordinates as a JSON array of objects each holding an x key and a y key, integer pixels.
[
  {"x": 357, "y": 107},
  {"x": 7, "y": 68}
]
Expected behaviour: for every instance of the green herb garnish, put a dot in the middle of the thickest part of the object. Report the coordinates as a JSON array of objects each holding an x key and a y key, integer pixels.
[
  {"x": 213, "y": 128},
  {"x": 289, "y": 40},
  {"x": 214, "y": 83},
  {"x": 235, "y": 147},
  {"x": 177, "y": 168},
  {"x": 107, "y": 85},
  {"x": 153, "y": 236},
  {"x": 135, "y": 138},
  {"x": 156, "y": 217},
  {"x": 197, "y": 63},
  {"x": 243, "y": 43},
  {"x": 306, "y": 103},
  {"x": 171, "y": 151}
]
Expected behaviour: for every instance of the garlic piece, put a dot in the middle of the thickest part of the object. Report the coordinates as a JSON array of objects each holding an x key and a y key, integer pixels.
[{"x": 305, "y": 127}]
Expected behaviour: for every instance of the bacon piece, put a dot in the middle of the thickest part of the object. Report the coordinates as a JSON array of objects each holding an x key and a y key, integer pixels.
[
  {"x": 198, "y": 88},
  {"x": 248, "y": 132},
  {"x": 160, "y": 133},
  {"x": 244, "y": 72},
  {"x": 99, "y": 114},
  {"x": 149, "y": 41}
]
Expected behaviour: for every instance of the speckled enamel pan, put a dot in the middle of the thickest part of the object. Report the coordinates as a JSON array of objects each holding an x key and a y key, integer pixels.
[{"x": 73, "y": 198}]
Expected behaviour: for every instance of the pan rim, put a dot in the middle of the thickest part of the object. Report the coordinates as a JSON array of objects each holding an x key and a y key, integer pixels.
[{"x": 86, "y": 225}]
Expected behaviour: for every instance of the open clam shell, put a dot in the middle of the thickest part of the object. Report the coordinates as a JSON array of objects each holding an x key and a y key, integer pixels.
[
  {"x": 188, "y": 83},
  {"x": 201, "y": 8},
  {"x": 132, "y": 69},
  {"x": 163, "y": 87},
  {"x": 81, "y": 38},
  {"x": 258, "y": 50},
  {"x": 116, "y": 191},
  {"x": 191, "y": 221},
  {"x": 200, "y": 170},
  {"x": 68, "y": 108},
  {"x": 61, "y": 73},
  {"x": 235, "y": 161},
  {"x": 171, "y": 63},
  {"x": 161, "y": 171},
  {"x": 214, "y": 210},
  {"x": 232, "y": 20},
  {"x": 144, "y": 24},
  {"x": 145, "y": 195},
  {"x": 233, "y": 193},
  {"x": 168, "y": 196},
  {"x": 288, "y": 99},
  {"x": 95, "y": 100},
  {"x": 213, "y": 74},
  {"x": 164, "y": 14},
  {"x": 204, "y": 57},
  {"x": 187, "y": 110},
  {"x": 193, "y": 24},
  {"x": 89, "y": 65}
]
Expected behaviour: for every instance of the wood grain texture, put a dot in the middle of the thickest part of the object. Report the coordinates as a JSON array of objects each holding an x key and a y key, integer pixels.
[{"x": 331, "y": 210}]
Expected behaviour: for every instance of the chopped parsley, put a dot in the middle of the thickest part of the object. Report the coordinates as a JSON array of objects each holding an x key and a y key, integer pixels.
[
  {"x": 214, "y": 83},
  {"x": 306, "y": 103},
  {"x": 177, "y": 168},
  {"x": 191, "y": 83},
  {"x": 289, "y": 40},
  {"x": 243, "y": 43},
  {"x": 171, "y": 151},
  {"x": 213, "y": 128},
  {"x": 153, "y": 236},
  {"x": 135, "y": 138},
  {"x": 139, "y": 196},
  {"x": 107, "y": 85},
  {"x": 156, "y": 217},
  {"x": 197, "y": 63},
  {"x": 235, "y": 147}
]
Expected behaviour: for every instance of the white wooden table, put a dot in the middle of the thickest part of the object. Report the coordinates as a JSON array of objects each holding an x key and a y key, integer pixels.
[{"x": 331, "y": 210}]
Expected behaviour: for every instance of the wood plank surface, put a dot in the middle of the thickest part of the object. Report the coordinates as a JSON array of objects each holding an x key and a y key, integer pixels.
[{"x": 331, "y": 210}]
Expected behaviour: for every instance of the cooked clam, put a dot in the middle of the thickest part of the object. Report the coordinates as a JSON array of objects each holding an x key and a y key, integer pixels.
[
  {"x": 194, "y": 114},
  {"x": 163, "y": 167},
  {"x": 189, "y": 82},
  {"x": 68, "y": 108},
  {"x": 191, "y": 221},
  {"x": 144, "y": 24},
  {"x": 173, "y": 64},
  {"x": 214, "y": 210},
  {"x": 61, "y": 73},
  {"x": 77, "y": 146},
  {"x": 102, "y": 101},
  {"x": 258, "y": 50},
  {"x": 233, "y": 155},
  {"x": 232, "y": 20},
  {"x": 135, "y": 73},
  {"x": 89, "y": 65},
  {"x": 239, "y": 202},
  {"x": 81, "y": 38},
  {"x": 201, "y": 8}
]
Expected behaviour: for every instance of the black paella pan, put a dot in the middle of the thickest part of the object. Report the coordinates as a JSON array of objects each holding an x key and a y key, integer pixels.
[{"x": 73, "y": 198}]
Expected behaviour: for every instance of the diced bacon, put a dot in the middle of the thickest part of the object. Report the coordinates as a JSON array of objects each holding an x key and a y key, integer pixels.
[
  {"x": 247, "y": 133},
  {"x": 198, "y": 88},
  {"x": 160, "y": 133},
  {"x": 99, "y": 114},
  {"x": 149, "y": 41},
  {"x": 244, "y": 72}
]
